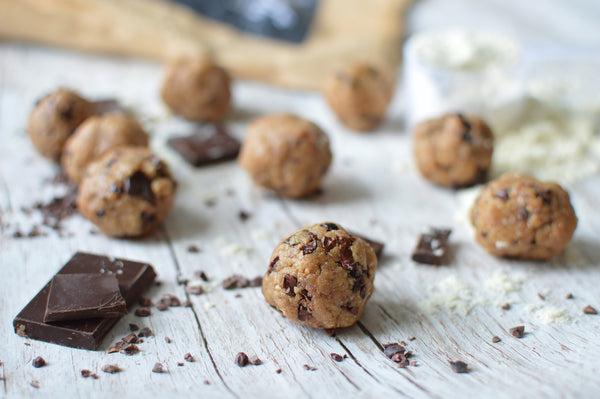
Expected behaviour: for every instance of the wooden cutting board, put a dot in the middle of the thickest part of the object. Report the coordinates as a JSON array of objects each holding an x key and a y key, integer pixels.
[{"x": 342, "y": 30}]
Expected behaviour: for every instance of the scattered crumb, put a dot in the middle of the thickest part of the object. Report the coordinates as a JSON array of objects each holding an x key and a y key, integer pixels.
[
  {"x": 517, "y": 332},
  {"x": 35, "y": 384},
  {"x": 459, "y": 366},
  {"x": 452, "y": 293},
  {"x": 589, "y": 310},
  {"x": 496, "y": 339}
]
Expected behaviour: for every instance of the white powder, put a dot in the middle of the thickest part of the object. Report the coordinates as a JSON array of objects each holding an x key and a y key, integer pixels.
[
  {"x": 452, "y": 293},
  {"x": 548, "y": 314},
  {"x": 503, "y": 283}
]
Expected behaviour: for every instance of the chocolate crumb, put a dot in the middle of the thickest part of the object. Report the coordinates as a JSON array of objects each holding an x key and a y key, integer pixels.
[
  {"x": 133, "y": 327},
  {"x": 256, "y": 282},
  {"x": 496, "y": 339},
  {"x": 412, "y": 338},
  {"x": 86, "y": 373},
  {"x": 241, "y": 359},
  {"x": 414, "y": 363},
  {"x": 200, "y": 274},
  {"x": 143, "y": 312},
  {"x": 129, "y": 349},
  {"x": 330, "y": 332},
  {"x": 237, "y": 281},
  {"x": 145, "y": 332},
  {"x": 243, "y": 215},
  {"x": 206, "y": 382},
  {"x": 193, "y": 249},
  {"x": 255, "y": 361},
  {"x": 162, "y": 307},
  {"x": 145, "y": 302},
  {"x": 180, "y": 364},
  {"x": 131, "y": 338},
  {"x": 589, "y": 310},
  {"x": 188, "y": 357},
  {"x": 309, "y": 368},
  {"x": 35, "y": 384},
  {"x": 238, "y": 295},
  {"x": 518, "y": 331},
  {"x": 170, "y": 300},
  {"x": 337, "y": 357},
  {"x": 542, "y": 297},
  {"x": 569, "y": 296},
  {"x": 158, "y": 368},
  {"x": 38, "y": 362},
  {"x": 168, "y": 340},
  {"x": 111, "y": 368},
  {"x": 186, "y": 304},
  {"x": 459, "y": 366},
  {"x": 116, "y": 347},
  {"x": 506, "y": 306},
  {"x": 278, "y": 371}
]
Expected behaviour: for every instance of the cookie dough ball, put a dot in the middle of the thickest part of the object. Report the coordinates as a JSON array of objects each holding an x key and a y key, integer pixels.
[
  {"x": 520, "y": 217},
  {"x": 54, "y": 118},
  {"x": 286, "y": 154},
  {"x": 321, "y": 276},
  {"x": 359, "y": 95},
  {"x": 197, "y": 89},
  {"x": 454, "y": 150},
  {"x": 97, "y": 135},
  {"x": 127, "y": 192}
]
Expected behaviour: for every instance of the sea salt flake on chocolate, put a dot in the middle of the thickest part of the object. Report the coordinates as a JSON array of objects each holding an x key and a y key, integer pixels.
[{"x": 432, "y": 247}]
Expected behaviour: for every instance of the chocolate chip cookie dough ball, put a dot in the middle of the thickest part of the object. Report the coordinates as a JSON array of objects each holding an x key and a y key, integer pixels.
[
  {"x": 520, "y": 217},
  {"x": 359, "y": 95},
  {"x": 127, "y": 192},
  {"x": 54, "y": 118},
  {"x": 321, "y": 276},
  {"x": 197, "y": 89},
  {"x": 286, "y": 154},
  {"x": 97, "y": 135},
  {"x": 454, "y": 150}
]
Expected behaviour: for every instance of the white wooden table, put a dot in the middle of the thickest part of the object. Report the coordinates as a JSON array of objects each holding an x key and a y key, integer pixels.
[{"x": 371, "y": 188}]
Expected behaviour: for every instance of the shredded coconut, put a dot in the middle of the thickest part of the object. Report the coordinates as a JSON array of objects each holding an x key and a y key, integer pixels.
[
  {"x": 452, "y": 293},
  {"x": 503, "y": 283},
  {"x": 548, "y": 314}
]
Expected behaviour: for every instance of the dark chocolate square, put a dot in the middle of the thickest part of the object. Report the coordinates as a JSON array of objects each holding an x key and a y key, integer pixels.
[
  {"x": 84, "y": 296},
  {"x": 209, "y": 144},
  {"x": 432, "y": 247},
  {"x": 134, "y": 278}
]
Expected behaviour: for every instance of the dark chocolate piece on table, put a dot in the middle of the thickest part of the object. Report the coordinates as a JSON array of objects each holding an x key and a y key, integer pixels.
[
  {"x": 459, "y": 366},
  {"x": 496, "y": 339},
  {"x": 209, "y": 144},
  {"x": 84, "y": 296},
  {"x": 38, "y": 362},
  {"x": 518, "y": 331},
  {"x": 589, "y": 310},
  {"x": 432, "y": 247},
  {"x": 134, "y": 279}
]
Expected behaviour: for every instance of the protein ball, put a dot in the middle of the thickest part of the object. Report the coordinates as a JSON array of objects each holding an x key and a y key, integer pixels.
[
  {"x": 321, "y": 276},
  {"x": 520, "y": 217},
  {"x": 359, "y": 95},
  {"x": 286, "y": 154},
  {"x": 54, "y": 118},
  {"x": 454, "y": 150},
  {"x": 197, "y": 89},
  {"x": 97, "y": 135},
  {"x": 127, "y": 192}
]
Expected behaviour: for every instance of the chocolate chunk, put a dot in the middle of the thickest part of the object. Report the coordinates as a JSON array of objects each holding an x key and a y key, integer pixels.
[
  {"x": 108, "y": 106},
  {"x": 84, "y": 296},
  {"x": 170, "y": 300},
  {"x": 518, "y": 331},
  {"x": 134, "y": 278},
  {"x": 330, "y": 226},
  {"x": 145, "y": 332},
  {"x": 158, "y": 368},
  {"x": 188, "y": 357},
  {"x": 193, "y": 249},
  {"x": 131, "y": 338},
  {"x": 328, "y": 243},
  {"x": 117, "y": 347},
  {"x": 209, "y": 144},
  {"x": 502, "y": 194},
  {"x": 375, "y": 245},
  {"x": 38, "y": 362},
  {"x": 392, "y": 349},
  {"x": 143, "y": 312},
  {"x": 432, "y": 247},
  {"x": 272, "y": 264},
  {"x": 288, "y": 284},
  {"x": 59, "y": 208},
  {"x": 111, "y": 368},
  {"x": 346, "y": 256},
  {"x": 139, "y": 185},
  {"x": 237, "y": 281},
  {"x": 459, "y": 366},
  {"x": 194, "y": 290},
  {"x": 129, "y": 349},
  {"x": 303, "y": 313},
  {"x": 337, "y": 358},
  {"x": 589, "y": 310},
  {"x": 309, "y": 247},
  {"x": 241, "y": 359},
  {"x": 496, "y": 339}
]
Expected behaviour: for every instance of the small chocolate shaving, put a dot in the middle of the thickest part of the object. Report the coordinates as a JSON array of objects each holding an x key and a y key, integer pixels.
[
  {"x": 158, "y": 368},
  {"x": 518, "y": 331},
  {"x": 145, "y": 332},
  {"x": 86, "y": 373},
  {"x": 243, "y": 216},
  {"x": 38, "y": 362},
  {"x": 569, "y": 296},
  {"x": 506, "y": 306},
  {"x": 278, "y": 371},
  {"x": 180, "y": 364},
  {"x": 337, "y": 357},
  {"x": 35, "y": 384},
  {"x": 143, "y": 312},
  {"x": 168, "y": 340},
  {"x": 542, "y": 297},
  {"x": 129, "y": 349},
  {"x": 496, "y": 339},
  {"x": 237, "y": 281},
  {"x": 309, "y": 368},
  {"x": 241, "y": 359},
  {"x": 133, "y": 327},
  {"x": 188, "y": 357},
  {"x": 589, "y": 310},
  {"x": 193, "y": 249},
  {"x": 199, "y": 274},
  {"x": 131, "y": 338},
  {"x": 170, "y": 300},
  {"x": 111, "y": 368},
  {"x": 459, "y": 366}
]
